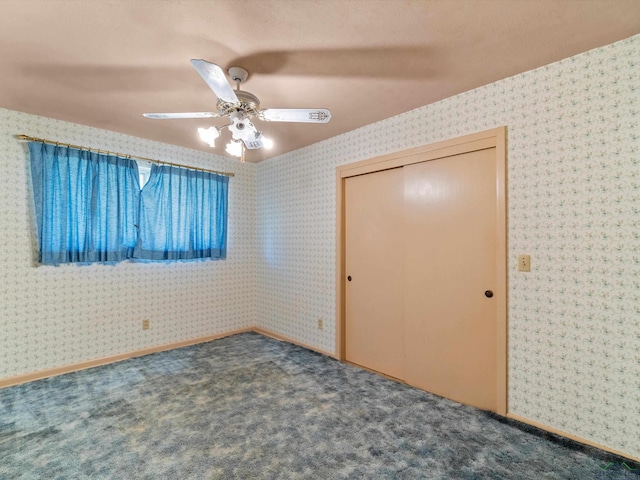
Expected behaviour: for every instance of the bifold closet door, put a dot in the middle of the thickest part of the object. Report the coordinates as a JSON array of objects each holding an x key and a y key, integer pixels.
[
  {"x": 374, "y": 256},
  {"x": 449, "y": 277}
]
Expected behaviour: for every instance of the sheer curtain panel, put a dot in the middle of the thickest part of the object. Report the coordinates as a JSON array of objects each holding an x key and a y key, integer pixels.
[
  {"x": 183, "y": 215},
  {"x": 86, "y": 204}
]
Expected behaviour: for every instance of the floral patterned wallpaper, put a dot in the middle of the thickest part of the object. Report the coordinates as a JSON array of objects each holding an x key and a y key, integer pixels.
[
  {"x": 55, "y": 316},
  {"x": 573, "y": 205}
]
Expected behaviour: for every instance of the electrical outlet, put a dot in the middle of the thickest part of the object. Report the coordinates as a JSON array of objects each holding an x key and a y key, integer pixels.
[
  {"x": 320, "y": 324},
  {"x": 145, "y": 324},
  {"x": 524, "y": 263}
]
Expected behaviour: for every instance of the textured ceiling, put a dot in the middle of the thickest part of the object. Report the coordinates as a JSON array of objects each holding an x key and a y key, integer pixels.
[{"x": 104, "y": 63}]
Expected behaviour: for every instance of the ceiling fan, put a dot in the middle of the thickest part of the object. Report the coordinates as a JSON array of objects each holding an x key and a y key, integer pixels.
[{"x": 240, "y": 107}]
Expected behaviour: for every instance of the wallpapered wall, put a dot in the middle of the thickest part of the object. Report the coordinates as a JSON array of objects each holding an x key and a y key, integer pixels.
[
  {"x": 54, "y": 316},
  {"x": 573, "y": 205}
]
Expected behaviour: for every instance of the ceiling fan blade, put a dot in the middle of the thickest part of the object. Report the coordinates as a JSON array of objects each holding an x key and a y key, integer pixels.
[
  {"x": 163, "y": 116},
  {"x": 216, "y": 79},
  {"x": 306, "y": 115}
]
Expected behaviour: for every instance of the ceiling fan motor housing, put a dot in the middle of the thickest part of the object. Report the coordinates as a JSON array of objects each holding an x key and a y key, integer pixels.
[{"x": 249, "y": 104}]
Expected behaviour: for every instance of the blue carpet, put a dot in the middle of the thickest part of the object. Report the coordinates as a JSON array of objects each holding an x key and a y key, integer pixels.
[{"x": 248, "y": 406}]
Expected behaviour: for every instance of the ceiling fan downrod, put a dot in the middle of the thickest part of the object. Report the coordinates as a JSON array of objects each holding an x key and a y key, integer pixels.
[{"x": 238, "y": 75}]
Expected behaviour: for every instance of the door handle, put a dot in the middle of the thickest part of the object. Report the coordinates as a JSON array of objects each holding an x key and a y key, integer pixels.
[
  {"x": 349, "y": 278},
  {"x": 488, "y": 293}
]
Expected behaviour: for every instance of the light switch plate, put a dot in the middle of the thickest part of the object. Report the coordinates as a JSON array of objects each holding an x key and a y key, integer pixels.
[{"x": 524, "y": 263}]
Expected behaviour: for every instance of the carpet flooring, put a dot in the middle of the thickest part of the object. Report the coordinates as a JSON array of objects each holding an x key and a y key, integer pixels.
[{"x": 250, "y": 407}]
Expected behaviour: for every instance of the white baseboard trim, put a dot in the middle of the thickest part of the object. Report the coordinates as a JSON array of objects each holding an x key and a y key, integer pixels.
[
  {"x": 52, "y": 372},
  {"x": 283, "y": 338},
  {"x": 571, "y": 436}
]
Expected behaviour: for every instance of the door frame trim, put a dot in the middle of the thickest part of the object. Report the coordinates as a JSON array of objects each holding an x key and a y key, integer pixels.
[{"x": 494, "y": 138}]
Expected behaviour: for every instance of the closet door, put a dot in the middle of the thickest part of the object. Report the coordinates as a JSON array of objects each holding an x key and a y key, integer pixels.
[
  {"x": 449, "y": 277},
  {"x": 374, "y": 246}
]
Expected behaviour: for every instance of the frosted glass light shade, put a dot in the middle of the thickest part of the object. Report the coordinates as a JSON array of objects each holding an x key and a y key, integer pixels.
[
  {"x": 209, "y": 135},
  {"x": 267, "y": 142},
  {"x": 234, "y": 148}
]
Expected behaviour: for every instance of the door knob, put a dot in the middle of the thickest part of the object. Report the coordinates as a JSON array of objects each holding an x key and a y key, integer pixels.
[
  {"x": 349, "y": 278},
  {"x": 488, "y": 293}
]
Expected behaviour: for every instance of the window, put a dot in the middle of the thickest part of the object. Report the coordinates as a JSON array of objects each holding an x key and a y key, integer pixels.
[
  {"x": 183, "y": 215},
  {"x": 89, "y": 208},
  {"x": 144, "y": 171},
  {"x": 86, "y": 205}
]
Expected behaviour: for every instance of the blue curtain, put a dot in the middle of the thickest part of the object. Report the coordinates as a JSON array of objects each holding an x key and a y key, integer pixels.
[
  {"x": 183, "y": 215},
  {"x": 86, "y": 204}
]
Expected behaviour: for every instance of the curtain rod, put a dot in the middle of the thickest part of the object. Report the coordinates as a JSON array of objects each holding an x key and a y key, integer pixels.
[{"x": 79, "y": 147}]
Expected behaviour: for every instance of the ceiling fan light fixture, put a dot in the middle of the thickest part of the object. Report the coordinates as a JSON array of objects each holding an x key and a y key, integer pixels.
[
  {"x": 234, "y": 148},
  {"x": 209, "y": 135}
]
